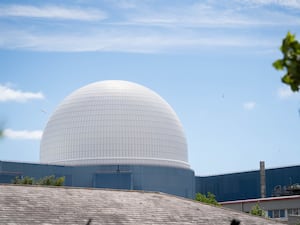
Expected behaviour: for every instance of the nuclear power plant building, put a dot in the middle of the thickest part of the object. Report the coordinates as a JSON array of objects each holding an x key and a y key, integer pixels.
[
  {"x": 113, "y": 134},
  {"x": 121, "y": 135}
]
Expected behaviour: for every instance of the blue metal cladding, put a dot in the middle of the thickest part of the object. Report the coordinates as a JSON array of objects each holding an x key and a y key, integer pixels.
[
  {"x": 6, "y": 178},
  {"x": 13, "y": 169},
  {"x": 281, "y": 177},
  {"x": 171, "y": 180},
  {"x": 230, "y": 186},
  {"x": 176, "y": 181},
  {"x": 246, "y": 185},
  {"x": 115, "y": 180}
]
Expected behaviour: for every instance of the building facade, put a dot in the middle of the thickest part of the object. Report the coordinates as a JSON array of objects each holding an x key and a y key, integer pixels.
[
  {"x": 176, "y": 181},
  {"x": 246, "y": 185},
  {"x": 279, "y": 208}
]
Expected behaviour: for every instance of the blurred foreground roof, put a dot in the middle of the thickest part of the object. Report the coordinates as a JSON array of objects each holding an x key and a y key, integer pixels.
[{"x": 64, "y": 205}]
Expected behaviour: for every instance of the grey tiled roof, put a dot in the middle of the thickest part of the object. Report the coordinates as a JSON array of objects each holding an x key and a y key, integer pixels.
[{"x": 61, "y": 205}]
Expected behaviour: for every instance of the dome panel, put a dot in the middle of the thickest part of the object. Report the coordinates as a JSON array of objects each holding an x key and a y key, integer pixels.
[{"x": 114, "y": 122}]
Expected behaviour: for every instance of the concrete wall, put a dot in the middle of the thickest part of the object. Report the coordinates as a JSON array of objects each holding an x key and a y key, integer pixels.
[
  {"x": 266, "y": 204},
  {"x": 293, "y": 219},
  {"x": 278, "y": 208}
]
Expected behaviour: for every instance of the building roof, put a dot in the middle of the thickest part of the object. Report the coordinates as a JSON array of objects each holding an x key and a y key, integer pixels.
[
  {"x": 255, "y": 200},
  {"x": 62, "y": 205},
  {"x": 114, "y": 122}
]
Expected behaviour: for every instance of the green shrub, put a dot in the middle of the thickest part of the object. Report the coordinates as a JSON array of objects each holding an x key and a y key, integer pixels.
[
  {"x": 210, "y": 198},
  {"x": 257, "y": 211},
  {"x": 48, "y": 180},
  {"x": 25, "y": 180}
]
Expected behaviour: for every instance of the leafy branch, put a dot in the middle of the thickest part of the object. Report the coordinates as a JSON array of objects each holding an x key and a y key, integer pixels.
[
  {"x": 290, "y": 62},
  {"x": 210, "y": 198}
]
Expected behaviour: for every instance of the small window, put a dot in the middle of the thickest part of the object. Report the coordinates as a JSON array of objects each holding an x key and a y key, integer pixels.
[
  {"x": 282, "y": 213},
  {"x": 276, "y": 213},
  {"x": 295, "y": 211},
  {"x": 270, "y": 213}
]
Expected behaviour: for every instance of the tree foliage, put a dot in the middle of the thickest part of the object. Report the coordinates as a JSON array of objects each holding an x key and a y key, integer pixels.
[
  {"x": 51, "y": 180},
  {"x": 210, "y": 198},
  {"x": 257, "y": 211},
  {"x": 290, "y": 62},
  {"x": 48, "y": 180},
  {"x": 1, "y": 130},
  {"x": 24, "y": 180}
]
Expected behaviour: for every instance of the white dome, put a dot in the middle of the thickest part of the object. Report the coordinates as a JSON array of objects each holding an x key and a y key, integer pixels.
[{"x": 112, "y": 123}]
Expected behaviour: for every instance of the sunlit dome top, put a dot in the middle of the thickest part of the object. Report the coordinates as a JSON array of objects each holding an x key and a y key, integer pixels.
[{"x": 111, "y": 123}]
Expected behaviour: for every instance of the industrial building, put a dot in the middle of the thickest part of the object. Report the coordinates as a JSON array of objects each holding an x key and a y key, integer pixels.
[
  {"x": 113, "y": 134},
  {"x": 121, "y": 135},
  {"x": 280, "y": 208},
  {"x": 247, "y": 185}
]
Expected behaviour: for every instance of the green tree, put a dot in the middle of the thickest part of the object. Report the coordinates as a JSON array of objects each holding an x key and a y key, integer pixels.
[
  {"x": 48, "y": 180},
  {"x": 210, "y": 198},
  {"x": 257, "y": 211},
  {"x": 1, "y": 131},
  {"x": 290, "y": 62}
]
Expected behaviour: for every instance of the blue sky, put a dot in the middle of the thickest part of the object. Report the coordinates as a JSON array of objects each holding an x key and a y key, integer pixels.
[{"x": 211, "y": 60}]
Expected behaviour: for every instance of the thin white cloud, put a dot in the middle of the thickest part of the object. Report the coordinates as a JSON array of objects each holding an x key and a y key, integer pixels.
[
  {"x": 201, "y": 14},
  {"x": 125, "y": 40},
  {"x": 9, "y": 94},
  {"x": 249, "y": 105},
  {"x": 143, "y": 27},
  {"x": 284, "y": 92},
  {"x": 285, "y": 3},
  {"x": 51, "y": 12},
  {"x": 23, "y": 134}
]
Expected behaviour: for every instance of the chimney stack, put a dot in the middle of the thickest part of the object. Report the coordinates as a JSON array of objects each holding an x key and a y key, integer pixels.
[{"x": 262, "y": 179}]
